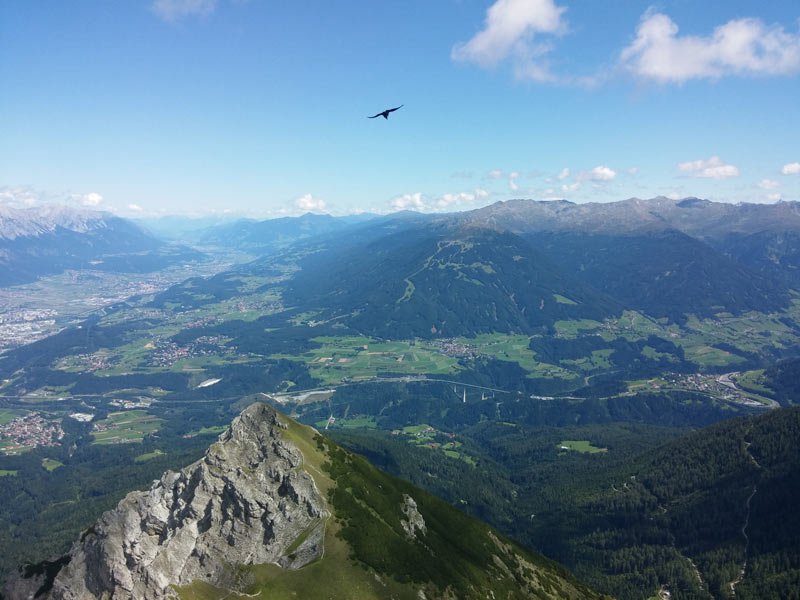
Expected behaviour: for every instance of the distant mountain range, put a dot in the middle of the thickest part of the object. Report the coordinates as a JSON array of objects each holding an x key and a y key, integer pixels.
[
  {"x": 272, "y": 234},
  {"x": 45, "y": 240},
  {"x": 514, "y": 267},
  {"x": 520, "y": 265},
  {"x": 765, "y": 238},
  {"x": 699, "y": 218},
  {"x": 39, "y": 222}
]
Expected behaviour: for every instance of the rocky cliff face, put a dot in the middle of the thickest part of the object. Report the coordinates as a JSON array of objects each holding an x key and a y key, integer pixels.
[{"x": 247, "y": 501}]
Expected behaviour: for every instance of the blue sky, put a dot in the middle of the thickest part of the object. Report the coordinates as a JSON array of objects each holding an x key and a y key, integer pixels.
[{"x": 258, "y": 107}]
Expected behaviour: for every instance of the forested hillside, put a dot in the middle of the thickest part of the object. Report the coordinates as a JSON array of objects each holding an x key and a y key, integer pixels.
[{"x": 625, "y": 514}]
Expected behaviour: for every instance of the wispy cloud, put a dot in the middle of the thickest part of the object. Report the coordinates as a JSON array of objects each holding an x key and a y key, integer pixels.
[
  {"x": 791, "y": 169},
  {"x": 768, "y": 184},
  {"x": 25, "y": 196},
  {"x": 20, "y": 196},
  {"x": 461, "y": 198},
  {"x": 712, "y": 168},
  {"x": 175, "y": 10},
  {"x": 599, "y": 173},
  {"x": 92, "y": 199},
  {"x": 511, "y": 31},
  {"x": 449, "y": 201},
  {"x": 309, "y": 203},
  {"x": 409, "y": 202},
  {"x": 739, "y": 47}
]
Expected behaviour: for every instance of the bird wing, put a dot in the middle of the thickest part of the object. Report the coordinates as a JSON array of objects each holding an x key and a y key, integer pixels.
[{"x": 385, "y": 113}]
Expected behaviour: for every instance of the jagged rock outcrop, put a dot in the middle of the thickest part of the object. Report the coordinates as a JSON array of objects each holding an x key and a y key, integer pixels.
[
  {"x": 413, "y": 521},
  {"x": 247, "y": 501}
]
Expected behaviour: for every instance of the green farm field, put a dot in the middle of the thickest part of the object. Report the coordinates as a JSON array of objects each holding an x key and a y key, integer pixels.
[
  {"x": 127, "y": 426},
  {"x": 582, "y": 446},
  {"x": 50, "y": 464},
  {"x": 357, "y": 358},
  {"x": 148, "y": 456},
  {"x": 7, "y": 415}
]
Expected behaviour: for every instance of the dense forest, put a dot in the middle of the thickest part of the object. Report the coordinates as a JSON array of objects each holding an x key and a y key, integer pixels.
[{"x": 643, "y": 513}]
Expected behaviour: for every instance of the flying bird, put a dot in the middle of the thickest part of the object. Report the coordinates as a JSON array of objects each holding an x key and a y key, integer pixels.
[{"x": 385, "y": 113}]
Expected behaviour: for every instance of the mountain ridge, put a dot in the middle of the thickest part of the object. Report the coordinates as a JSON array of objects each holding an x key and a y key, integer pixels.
[
  {"x": 272, "y": 497},
  {"x": 694, "y": 216}
]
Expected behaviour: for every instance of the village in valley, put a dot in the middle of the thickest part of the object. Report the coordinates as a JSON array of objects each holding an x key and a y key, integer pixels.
[{"x": 29, "y": 431}]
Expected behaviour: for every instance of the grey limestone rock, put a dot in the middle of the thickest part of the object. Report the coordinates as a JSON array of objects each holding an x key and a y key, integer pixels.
[
  {"x": 245, "y": 502},
  {"x": 413, "y": 521}
]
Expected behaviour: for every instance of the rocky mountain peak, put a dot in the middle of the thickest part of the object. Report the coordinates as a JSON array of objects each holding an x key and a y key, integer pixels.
[
  {"x": 39, "y": 220},
  {"x": 247, "y": 501}
]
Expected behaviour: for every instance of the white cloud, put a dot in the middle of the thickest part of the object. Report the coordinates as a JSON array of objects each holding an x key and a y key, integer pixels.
[
  {"x": 739, "y": 47},
  {"x": 495, "y": 174},
  {"x": 633, "y": 171},
  {"x": 309, "y": 203},
  {"x": 91, "y": 199},
  {"x": 512, "y": 181},
  {"x": 564, "y": 174},
  {"x": 768, "y": 184},
  {"x": 791, "y": 169},
  {"x": 135, "y": 207},
  {"x": 713, "y": 168},
  {"x": 26, "y": 196},
  {"x": 572, "y": 187},
  {"x": 510, "y": 30},
  {"x": 773, "y": 197},
  {"x": 409, "y": 202},
  {"x": 599, "y": 173},
  {"x": 174, "y": 10},
  {"x": 447, "y": 200},
  {"x": 20, "y": 196}
]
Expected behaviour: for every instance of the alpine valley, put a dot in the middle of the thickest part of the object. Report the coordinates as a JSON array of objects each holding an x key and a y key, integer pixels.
[{"x": 609, "y": 386}]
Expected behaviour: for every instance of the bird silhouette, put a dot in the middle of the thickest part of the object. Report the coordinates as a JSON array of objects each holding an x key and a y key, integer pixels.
[{"x": 385, "y": 113}]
